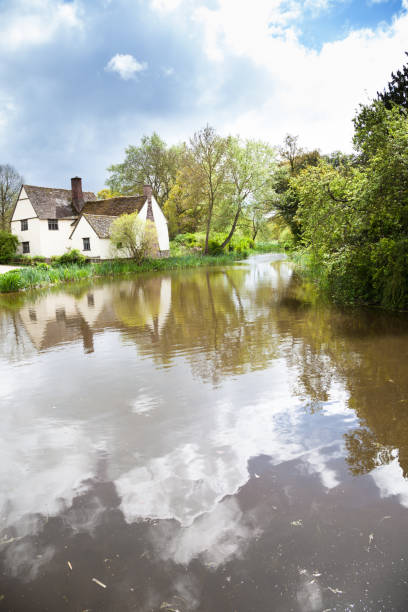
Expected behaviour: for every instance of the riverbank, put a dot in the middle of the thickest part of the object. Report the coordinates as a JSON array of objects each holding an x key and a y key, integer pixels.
[{"x": 46, "y": 276}]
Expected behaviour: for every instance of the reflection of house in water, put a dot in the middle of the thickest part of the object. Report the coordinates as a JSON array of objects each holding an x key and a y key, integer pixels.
[{"x": 59, "y": 318}]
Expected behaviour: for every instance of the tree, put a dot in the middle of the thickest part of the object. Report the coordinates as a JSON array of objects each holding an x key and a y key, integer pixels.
[
  {"x": 132, "y": 237},
  {"x": 107, "y": 194},
  {"x": 183, "y": 209},
  {"x": 354, "y": 219},
  {"x": 295, "y": 160},
  {"x": 250, "y": 168},
  {"x": 206, "y": 167},
  {"x": 10, "y": 185},
  {"x": 290, "y": 150},
  {"x": 397, "y": 91},
  {"x": 8, "y": 246},
  {"x": 152, "y": 163}
]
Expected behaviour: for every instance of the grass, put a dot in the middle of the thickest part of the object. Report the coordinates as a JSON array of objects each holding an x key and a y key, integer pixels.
[{"x": 33, "y": 277}]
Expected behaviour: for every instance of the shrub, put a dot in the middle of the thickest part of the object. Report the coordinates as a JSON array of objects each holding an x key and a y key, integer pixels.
[
  {"x": 67, "y": 259},
  {"x": 132, "y": 237},
  {"x": 8, "y": 245},
  {"x": 215, "y": 248},
  {"x": 188, "y": 240}
]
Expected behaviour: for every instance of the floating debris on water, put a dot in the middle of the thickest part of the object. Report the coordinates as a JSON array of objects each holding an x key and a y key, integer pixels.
[{"x": 99, "y": 583}]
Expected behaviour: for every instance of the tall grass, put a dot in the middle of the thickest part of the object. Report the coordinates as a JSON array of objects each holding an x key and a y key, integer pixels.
[{"x": 32, "y": 277}]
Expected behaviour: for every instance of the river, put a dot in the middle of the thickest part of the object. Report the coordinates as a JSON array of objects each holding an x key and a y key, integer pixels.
[{"x": 215, "y": 440}]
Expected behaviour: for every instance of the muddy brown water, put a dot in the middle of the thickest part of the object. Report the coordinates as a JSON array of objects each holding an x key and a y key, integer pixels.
[{"x": 204, "y": 440}]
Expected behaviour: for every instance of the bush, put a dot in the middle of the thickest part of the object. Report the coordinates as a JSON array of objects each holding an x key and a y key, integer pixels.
[
  {"x": 69, "y": 258},
  {"x": 187, "y": 240},
  {"x": 215, "y": 248},
  {"x": 8, "y": 246}
]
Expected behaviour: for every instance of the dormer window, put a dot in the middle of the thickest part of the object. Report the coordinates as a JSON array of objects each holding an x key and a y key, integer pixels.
[
  {"x": 52, "y": 224},
  {"x": 24, "y": 225}
]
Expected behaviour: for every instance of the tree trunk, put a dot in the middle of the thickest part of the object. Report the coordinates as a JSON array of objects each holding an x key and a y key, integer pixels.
[
  {"x": 210, "y": 209},
  {"x": 234, "y": 225}
]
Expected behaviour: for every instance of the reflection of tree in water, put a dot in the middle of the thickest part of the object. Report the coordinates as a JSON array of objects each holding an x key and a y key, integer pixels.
[
  {"x": 225, "y": 322},
  {"x": 208, "y": 323},
  {"x": 367, "y": 351}
]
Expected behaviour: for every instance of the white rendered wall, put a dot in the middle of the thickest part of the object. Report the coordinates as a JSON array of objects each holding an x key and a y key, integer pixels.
[
  {"x": 55, "y": 242},
  {"x": 24, "y": 210},
  {"x": 100, "y": 247},
  {"x": 160, "y": 222}
]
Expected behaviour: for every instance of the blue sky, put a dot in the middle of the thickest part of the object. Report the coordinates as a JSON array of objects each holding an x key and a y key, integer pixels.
[{"x": 82, "y": 79}]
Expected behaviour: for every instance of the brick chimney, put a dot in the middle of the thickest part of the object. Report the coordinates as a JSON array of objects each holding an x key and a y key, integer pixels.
[
  {"x": 77, "y": 195},
  {"x": 147, "y": 192}
]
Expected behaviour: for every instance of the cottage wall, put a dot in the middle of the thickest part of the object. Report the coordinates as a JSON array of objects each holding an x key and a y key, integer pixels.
[
  {"x": 100, "y": 247},
  {"x": 55, "y": 242},
  {"x": 24, "y": 210},
  {"x": 160, "y": 222}
]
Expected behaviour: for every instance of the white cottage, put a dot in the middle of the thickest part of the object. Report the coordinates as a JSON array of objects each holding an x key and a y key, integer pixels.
[{"x": 52, "y": 221}]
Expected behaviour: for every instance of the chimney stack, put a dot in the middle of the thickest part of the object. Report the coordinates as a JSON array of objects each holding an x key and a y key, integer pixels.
[
  {"x": 147, "y": 192},
  {"x": 77, "y": 195}
]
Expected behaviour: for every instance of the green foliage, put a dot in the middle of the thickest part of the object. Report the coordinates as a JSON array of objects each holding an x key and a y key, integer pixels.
[
  {"x": 354, "y": 217},
  {"x": 8, "y": 246},
  {"x": 152, "y": 163},
  {"x": 132, "y": 237},
  {"x": 397, "y": 91},
  {"x": 187, "y": 240},
  {"x": 72, "y": 257}
]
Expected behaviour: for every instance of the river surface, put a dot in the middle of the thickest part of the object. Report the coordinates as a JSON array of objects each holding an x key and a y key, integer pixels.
[{"x": 204, "y": 440}]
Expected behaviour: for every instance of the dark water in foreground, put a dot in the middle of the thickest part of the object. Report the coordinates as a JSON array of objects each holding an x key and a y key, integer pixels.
[{"x": 202, "y": 441}]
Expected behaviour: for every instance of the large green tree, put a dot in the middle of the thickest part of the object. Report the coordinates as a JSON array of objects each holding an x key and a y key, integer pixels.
[
  {"x": 206, "y": 164},
  {"x": 153, "y": 163},
  {"x": 249, "y": 194},
  {"x": 293, "y": 160},
  {"x": 354, "y": 219},
  {"x": 397, "y": 90}
]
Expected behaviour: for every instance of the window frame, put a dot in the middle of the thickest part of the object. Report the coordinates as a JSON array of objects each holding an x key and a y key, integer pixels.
[
  {"x": 53, "y": 224},
  {"x": 23, "y": 225},
  {"x": 86, "y": 246},
  {"x": 25, "y": 247}
]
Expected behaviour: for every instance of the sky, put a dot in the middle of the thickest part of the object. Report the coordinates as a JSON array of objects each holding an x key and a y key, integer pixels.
[{"x": 80, "y": 80}]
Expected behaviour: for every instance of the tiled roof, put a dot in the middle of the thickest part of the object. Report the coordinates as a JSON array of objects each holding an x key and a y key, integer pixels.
[
  {"x": 114, "y": 206},
  {"x": 50, "y": 203},
  {"x": 100, "y": 223}
]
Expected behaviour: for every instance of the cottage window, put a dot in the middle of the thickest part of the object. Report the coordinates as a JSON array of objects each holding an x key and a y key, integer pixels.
[
  {"x": 26, "y": 247},
  {"x": 52, "y": 224},
  {"x": 87, "y": 244},
  {"x": 24, "y": 224}
]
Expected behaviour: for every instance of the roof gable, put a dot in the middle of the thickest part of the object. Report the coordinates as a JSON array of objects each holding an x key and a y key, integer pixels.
[
  {"x": 100, "y": 224},
  {"x": 50, "y": 203}
]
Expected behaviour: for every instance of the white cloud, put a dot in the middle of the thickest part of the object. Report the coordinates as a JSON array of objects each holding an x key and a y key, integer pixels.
[
  {"x": 165, "y": 6},
  {"x": 37, "y": 22},
  {"x": 125, "y": 65},
  {"x": 307, "y": 92},
  {"x": 168, "y": 71}
]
